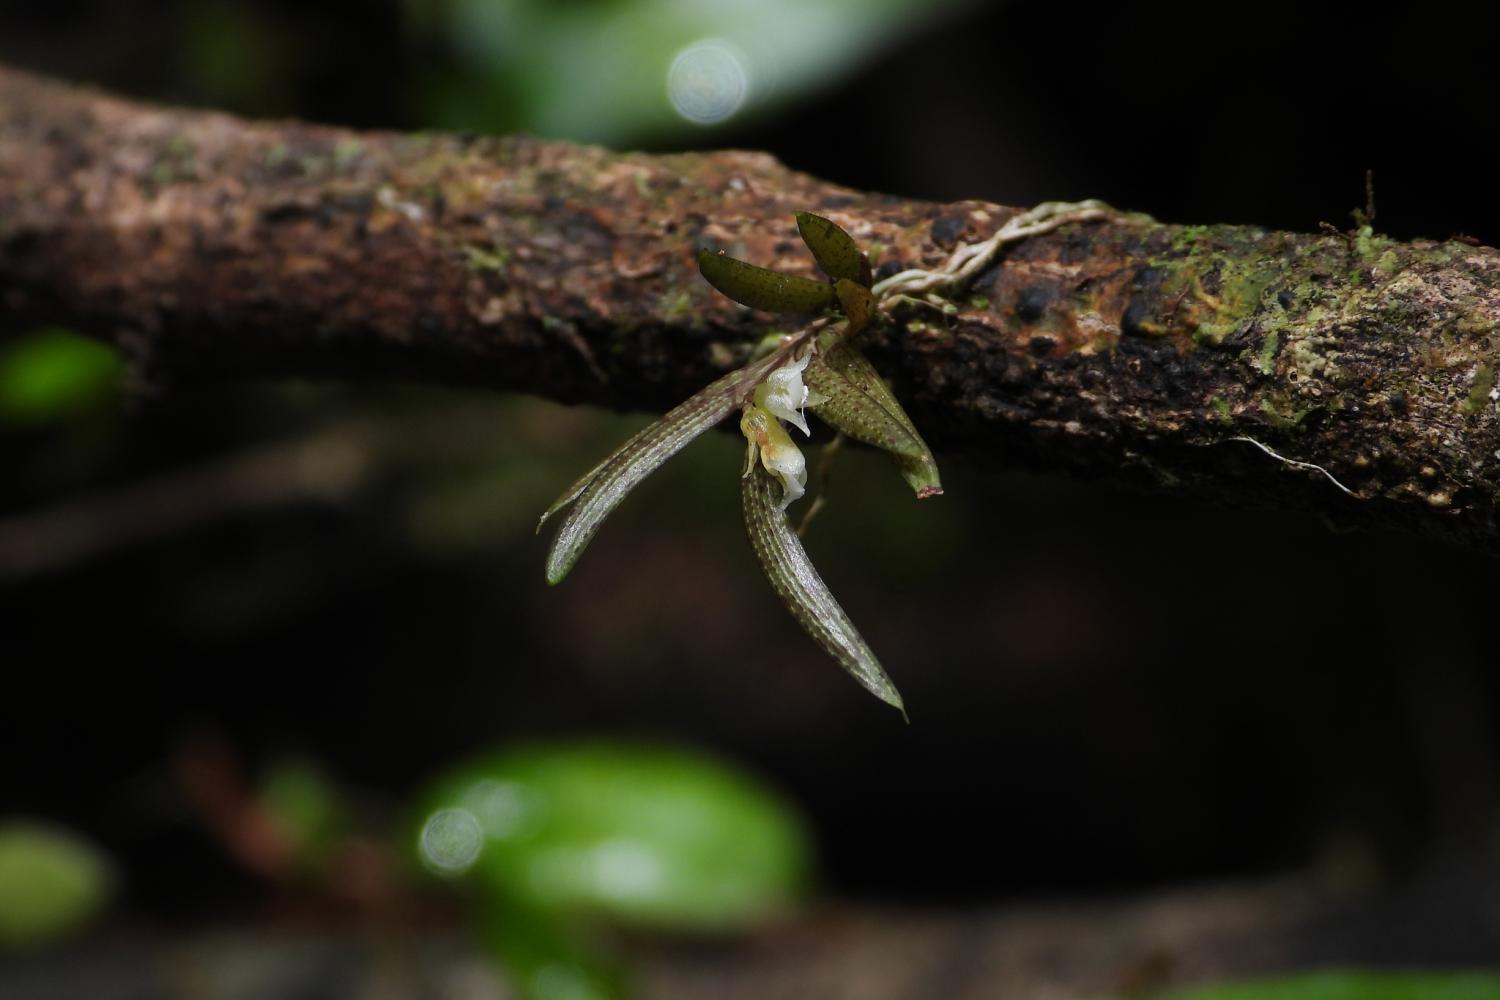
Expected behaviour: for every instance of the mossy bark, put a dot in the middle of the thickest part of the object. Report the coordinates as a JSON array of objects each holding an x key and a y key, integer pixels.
[{"x": 208, "y": 246}]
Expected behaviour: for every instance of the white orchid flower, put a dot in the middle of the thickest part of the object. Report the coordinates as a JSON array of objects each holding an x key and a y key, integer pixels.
[
  {"x": 784, "y": 394},
  {"x": 777, "y": 452}
]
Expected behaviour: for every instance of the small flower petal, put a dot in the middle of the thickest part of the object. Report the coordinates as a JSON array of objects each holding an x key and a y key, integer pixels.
[
  {"x": 778, "y": 452},
  {"x": 784, "y": 394}
]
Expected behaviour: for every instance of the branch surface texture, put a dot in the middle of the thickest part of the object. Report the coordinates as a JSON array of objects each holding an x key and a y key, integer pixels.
[{"x": 1340, "y": 372}]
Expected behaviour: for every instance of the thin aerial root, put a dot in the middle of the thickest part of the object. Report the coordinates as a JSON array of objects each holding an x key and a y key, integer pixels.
[
  {"x": 968, "y": 260},
  {"x": 1296, "y": 464}
]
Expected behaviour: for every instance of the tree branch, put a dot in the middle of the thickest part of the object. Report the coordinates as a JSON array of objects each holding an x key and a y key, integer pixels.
[{"x": 1221, "y": 360}]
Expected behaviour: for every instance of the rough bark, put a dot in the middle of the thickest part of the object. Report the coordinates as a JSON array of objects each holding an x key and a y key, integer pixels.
[{"x": 205, "y": 245}]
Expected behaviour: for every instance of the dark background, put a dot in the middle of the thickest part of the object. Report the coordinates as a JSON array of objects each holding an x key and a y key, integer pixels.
[{"x": 1108, "y": 691}]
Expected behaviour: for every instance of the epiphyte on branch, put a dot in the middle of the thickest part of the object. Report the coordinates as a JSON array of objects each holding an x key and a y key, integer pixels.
[{"x": 816, "y": 368}]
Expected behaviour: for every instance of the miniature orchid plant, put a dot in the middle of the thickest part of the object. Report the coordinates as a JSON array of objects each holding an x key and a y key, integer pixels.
[{"x": 818, "y": 368}]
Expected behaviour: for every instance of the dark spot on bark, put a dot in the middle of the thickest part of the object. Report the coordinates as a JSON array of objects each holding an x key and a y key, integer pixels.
[
  {"x": 1316, "y": 417},
  {"x": 693, "y": 225},
  {"x": 287, "y": 210},
  {"x": 1132, "y": 323},
  {"x": 1032, "y": 302},
  {"x": 888, "y": 268},
  {"x": 947, "y": 230},
  {"x": 1285, "y": 299},
  {"x": 1154, "y": 350},
  {"x": 1242, "y": 337},
  {"x": 1213, "y": 281},
  {"x": 1146, "y": 279},
  {"x": 360, "y": 203},
  {"x": 1015, "y": 377},
  {"x": 986, "y": 280},
  {"x": 1077, "y": 247},
  {"x": 784, "y": 248},
  {"x": 838, "y": 201},
  {"x": 1041, "y": 346},
  {"x": 582, "y": 231}
]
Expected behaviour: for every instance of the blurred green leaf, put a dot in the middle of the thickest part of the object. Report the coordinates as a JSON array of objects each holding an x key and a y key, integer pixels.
[
  {"x": 614, "y": 71},
  {"x": 645, "y": 836},
  {"x": 52, "y": 882},
  {"x": 307, "y": 806},
  {"x": 546, "y": 957},
  {"x": 52, "y": 374},
  {"x": 1353, "y": 985}
]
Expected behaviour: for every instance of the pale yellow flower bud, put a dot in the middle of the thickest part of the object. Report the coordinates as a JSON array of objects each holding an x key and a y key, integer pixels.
[{"x": 778, "y": 452}]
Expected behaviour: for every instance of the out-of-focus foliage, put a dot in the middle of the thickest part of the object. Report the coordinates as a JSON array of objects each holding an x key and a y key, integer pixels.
[
  {"x": 51, "y": 374},
  {"x": 640, "y": 835},
  {"x": 617, "y": 70},
  {"x": 307, "y": 808},
  {"x": 1358, "y": 986},
  {"x": 547, "y": 836},
  {"x": 52, "y": 882}
]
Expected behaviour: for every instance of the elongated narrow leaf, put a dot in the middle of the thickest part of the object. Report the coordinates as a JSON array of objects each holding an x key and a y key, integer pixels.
[
  {"x": 857, "y": 402},
  {"x": 603, "y": 487},
  {"x": 831, "y": 247},
  {"x": 803, "y": 591},
  {"x": 762, "y": 288}
]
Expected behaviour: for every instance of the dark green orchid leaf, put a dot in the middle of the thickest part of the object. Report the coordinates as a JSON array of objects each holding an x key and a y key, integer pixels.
[
  {"x": 602, "y": 488},
  {"x": 805, "y": 594},
  {"x": 831, "y": 247},
  {"x": 857, "y": 302},
  {"x": 762, "y": 288},
  {"x": 857, "y": 402}
]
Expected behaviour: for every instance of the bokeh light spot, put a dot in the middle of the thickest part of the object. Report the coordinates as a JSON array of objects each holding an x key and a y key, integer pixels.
[
  {"x": 450, "y": 841},
  {"x": 626, "y": 870},
  {"x": 707, "y": 82}
]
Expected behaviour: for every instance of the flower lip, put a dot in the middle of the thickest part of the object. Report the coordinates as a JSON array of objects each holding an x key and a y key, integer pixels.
[{"x": 784, "y": 394}]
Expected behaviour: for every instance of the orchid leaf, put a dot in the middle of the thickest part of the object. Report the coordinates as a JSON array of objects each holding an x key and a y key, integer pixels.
[
  {"x": 602, "y": 488},
  {"x": 857, "y": 402},
  {"x": 831, "y": 247},
  {"x": 762, "y": 288},
  {"x": 857, "y": 302},
  {"x": 805, "y": 594}
]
